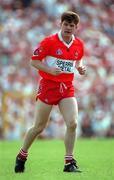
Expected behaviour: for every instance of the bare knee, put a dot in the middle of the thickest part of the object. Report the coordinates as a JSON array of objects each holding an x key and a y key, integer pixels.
[
  {"x": 38, "y": 130},
  {"x": 72, "y": 126}
]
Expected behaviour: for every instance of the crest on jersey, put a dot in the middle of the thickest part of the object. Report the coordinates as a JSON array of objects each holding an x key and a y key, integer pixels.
[
  {"x": 76, "y": 54},
  {"x": 59, "y": 52}
]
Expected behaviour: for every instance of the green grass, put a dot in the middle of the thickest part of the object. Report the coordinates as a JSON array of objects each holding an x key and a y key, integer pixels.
[{"x": 95, "y": 157}]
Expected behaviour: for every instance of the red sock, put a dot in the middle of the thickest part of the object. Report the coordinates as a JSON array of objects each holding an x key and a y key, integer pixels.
[
  {"x": 68, "y": 159},
  {"x": 23, "y": 154}
]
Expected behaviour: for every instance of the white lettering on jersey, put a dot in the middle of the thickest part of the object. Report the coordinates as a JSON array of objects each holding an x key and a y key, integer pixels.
[{"x": 67, "y": 66}]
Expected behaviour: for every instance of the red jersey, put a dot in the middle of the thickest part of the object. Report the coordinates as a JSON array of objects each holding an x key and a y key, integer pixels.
[{"x": 54, "y": 52}]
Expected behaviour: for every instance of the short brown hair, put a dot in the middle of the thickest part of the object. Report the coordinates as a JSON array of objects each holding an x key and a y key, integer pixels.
[{"x": 70, "y": 16}]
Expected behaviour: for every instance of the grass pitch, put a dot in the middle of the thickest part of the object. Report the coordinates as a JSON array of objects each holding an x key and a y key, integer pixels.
[{"x": 95, "y": 157}]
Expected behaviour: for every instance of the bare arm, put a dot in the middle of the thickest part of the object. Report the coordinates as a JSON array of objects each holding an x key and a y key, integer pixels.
[
  {"x": 43, "y": 67},
  {"x": 80, "y": 67}
]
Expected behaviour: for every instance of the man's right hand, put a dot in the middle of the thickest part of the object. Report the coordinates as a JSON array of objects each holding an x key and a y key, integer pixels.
[
  {"x": 55, "y": 71},
  {"x": 43, "y": 67}
]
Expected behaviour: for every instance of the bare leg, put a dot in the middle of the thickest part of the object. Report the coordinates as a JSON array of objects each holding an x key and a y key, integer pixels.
[
  {"x": 69, "y": 110},
  {"x": 41, "y": 117}
]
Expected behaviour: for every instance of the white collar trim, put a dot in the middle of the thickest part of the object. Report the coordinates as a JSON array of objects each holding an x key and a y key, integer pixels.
[{"x": 61, "y": 39}]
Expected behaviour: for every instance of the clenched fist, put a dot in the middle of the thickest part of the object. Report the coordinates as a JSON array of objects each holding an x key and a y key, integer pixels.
[
  {"x": 55, "y": 71},
  {"x": 81, "y": 70}
]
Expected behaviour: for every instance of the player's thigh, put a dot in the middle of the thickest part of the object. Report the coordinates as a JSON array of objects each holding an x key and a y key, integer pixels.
[
  {"x": 69, "y": 109},
  {"x": 42, "y": 112}
]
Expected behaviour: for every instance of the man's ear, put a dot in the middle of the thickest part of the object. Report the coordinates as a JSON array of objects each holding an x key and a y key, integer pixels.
[
  {"x": 76, "y": 26},
  {"x": 59, "y": 24}
]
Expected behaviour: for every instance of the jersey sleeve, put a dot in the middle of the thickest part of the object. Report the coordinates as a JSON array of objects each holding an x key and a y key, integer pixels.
[{"x": 42, "y": 50}]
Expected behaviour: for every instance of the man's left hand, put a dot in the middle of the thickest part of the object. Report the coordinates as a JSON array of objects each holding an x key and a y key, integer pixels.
[{"x": 81, "y": 70}]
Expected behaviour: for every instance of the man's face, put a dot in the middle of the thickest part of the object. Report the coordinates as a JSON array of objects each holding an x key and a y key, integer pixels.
[{"x": 67, "y": 28}]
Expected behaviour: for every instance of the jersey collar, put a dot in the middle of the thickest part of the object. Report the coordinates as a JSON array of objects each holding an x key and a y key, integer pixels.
[{"x": 61, "y": 39}]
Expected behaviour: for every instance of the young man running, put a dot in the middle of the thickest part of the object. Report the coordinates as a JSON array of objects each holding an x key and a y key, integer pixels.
[{"x": 56, "y": 58}]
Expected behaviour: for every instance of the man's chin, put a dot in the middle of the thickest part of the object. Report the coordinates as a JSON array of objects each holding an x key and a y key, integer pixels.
[{"x": 67, "y": 34}]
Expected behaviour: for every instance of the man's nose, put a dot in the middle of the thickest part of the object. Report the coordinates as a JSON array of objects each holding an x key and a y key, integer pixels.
[{"x": 68, "y": 27}]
